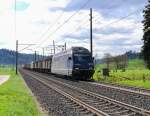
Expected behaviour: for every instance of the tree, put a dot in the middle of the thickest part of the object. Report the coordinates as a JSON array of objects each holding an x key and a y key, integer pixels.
[{"x": 146, "y": 36}]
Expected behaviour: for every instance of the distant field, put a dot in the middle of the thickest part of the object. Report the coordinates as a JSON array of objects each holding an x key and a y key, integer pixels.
[
  {"x": 136, "y": 74},
  {"x": 15, "y": 99},
  {"x": 136, "y": 64}
]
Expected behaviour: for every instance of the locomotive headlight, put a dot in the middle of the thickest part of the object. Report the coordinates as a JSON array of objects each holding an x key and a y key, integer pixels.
[{"x": 76, "y": 68}]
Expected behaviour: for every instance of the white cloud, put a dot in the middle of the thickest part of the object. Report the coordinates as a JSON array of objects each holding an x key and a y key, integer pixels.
[{"x": 33, "y": 21}]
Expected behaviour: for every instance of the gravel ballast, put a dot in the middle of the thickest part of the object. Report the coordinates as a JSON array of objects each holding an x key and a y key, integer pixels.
[
  {"x": 137, "y": 100},
  {"x": 50, "y": 100}
]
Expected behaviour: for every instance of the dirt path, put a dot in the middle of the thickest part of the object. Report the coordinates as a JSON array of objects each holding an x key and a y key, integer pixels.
[{"x": 3, "y": 78}]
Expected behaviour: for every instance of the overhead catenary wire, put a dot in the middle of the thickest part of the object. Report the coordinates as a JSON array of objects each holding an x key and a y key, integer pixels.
[
  {"x": 59, "y": 27},
  {"x": 79, "y": 27},
  {"x": 116, "y": 21},
  {"x": 93, "y": 18},
  {"x": 113, "y": 22},
  {"x": 51, "y": 26},
  {"x": 122, "y": 18},
  {"x": 28, "y": 45},
  {"x": 43, "y": 34},
  {"x": 68, "y": 19}
]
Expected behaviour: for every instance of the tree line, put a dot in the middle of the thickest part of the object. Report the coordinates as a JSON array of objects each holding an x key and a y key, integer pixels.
[
  {"x": 7, "y": 57},
  {"x": 146, "y": 36}
]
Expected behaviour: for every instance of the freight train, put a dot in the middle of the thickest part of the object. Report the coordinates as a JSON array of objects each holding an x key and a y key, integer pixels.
[{"x": 76, "y": 63}]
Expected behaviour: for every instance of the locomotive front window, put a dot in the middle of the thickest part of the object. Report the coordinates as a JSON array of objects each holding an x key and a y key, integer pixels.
[{"x": 82, "y": 58}]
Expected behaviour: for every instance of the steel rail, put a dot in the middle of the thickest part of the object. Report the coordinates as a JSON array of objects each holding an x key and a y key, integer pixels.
[
  {"x": 123, "y": 89},
  {"x": 121, "y": 104},
  {"x": 86, "y": 106},
  {"x": 133, "y": 88}
]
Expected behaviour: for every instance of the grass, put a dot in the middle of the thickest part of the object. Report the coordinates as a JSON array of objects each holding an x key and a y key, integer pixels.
[
  {"x": 136, "y": 64},
  {"x": 136, "y": 74},
  {"x": 15, "y": 99}
]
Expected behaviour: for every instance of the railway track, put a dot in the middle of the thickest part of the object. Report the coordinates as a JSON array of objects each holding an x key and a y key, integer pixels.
[
  {"x": 89, "y": 101},
  {"x": 136, "y": 98},
  {"x": 123, "y": 87}
]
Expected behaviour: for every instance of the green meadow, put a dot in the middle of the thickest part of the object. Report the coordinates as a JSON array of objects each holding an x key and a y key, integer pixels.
[
  {"x": 136, "y": 74},
  {"x": 15, "y": 98}
]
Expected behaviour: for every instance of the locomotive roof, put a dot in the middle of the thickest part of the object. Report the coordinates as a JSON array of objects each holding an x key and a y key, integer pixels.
[
  {"x": 80, "y": 50},
  {"x": 74, "y": 50}
]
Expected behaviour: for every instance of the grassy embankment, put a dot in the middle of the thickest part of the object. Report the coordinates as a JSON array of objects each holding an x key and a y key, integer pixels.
[
  {"x": 15, "y": 99},
  {"x": 135, "y": 75}
]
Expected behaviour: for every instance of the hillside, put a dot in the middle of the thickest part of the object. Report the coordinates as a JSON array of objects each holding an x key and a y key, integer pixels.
[{"x": 7, "y": 57}]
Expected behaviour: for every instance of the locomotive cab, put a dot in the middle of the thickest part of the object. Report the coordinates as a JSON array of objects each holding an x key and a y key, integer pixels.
[{"x": 83, "y": 65}]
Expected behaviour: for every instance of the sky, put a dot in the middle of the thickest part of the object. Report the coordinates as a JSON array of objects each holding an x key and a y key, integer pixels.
[{"x": 117, "y": 26}]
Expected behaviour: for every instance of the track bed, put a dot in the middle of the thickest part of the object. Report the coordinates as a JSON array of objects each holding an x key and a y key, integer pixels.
[{"x": 77, "y": 100}]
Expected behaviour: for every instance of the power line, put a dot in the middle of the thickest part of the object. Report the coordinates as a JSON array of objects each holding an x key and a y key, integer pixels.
[
  {"x": 51, "y": 26},
  {"x": 79, "y": 27},
  {"x": 122, "y": 18},
  {"x": 26, "y": 46},
  {"x": 72, "y": 16},
  {"x": 66, "y": 21},
  {"x": 130, "y": 44},
  {"x": 111, "y": 7},
  {"x": 61, "y": 24},
  {"x": 93, "y": 18}
]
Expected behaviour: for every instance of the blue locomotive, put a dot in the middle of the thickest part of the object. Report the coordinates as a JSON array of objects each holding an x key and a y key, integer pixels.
[{"x": 76, "y": 63}]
